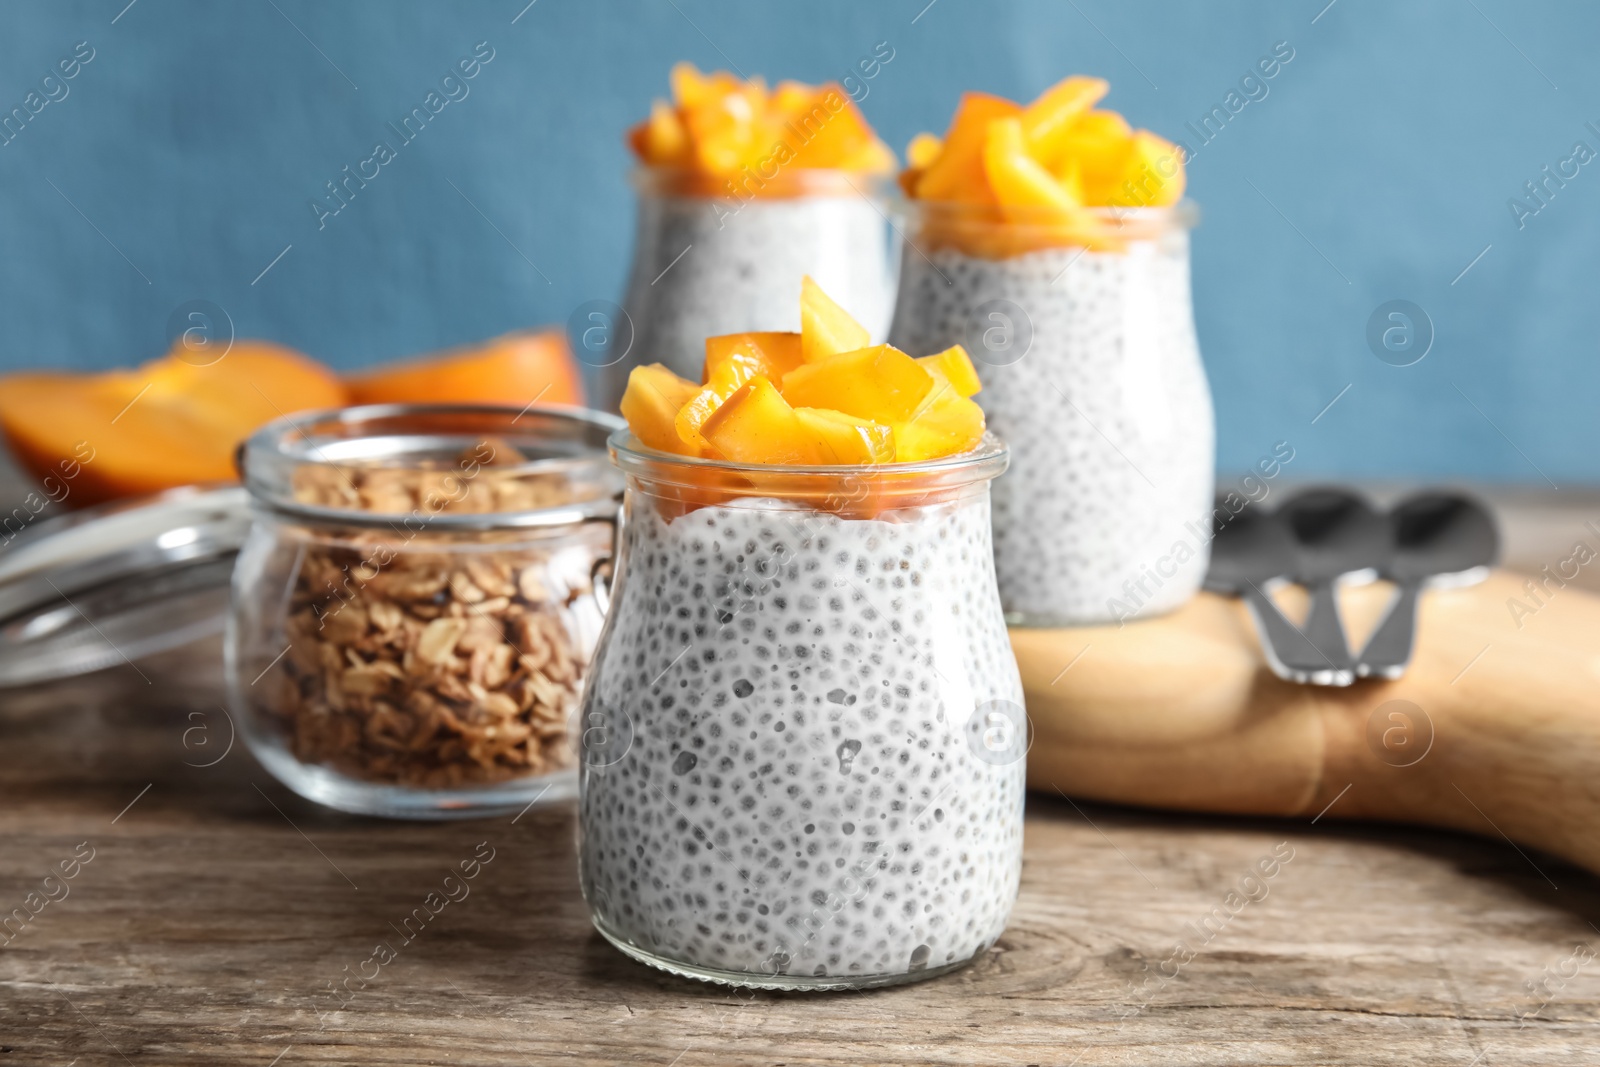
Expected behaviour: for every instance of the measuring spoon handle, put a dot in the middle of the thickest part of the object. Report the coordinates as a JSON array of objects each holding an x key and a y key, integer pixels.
[
  {"x": 1389, "y": 649},
  {"x": 1325, "y": 631},
  {"x": 1289, "y": 653}
]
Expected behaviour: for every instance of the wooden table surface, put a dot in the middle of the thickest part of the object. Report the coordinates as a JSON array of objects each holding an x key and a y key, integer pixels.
[{"x": 217, "y": 909}]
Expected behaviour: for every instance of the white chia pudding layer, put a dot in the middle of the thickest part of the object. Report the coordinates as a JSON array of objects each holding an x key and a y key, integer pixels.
[
  {"x": 742, "y": 271},
  {"x": 804, "y": 790},
  {"x": 1092, "y": 375}
]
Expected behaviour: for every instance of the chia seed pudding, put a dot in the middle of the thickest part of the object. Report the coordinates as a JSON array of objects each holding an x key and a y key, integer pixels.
[
  {"x": 1092, "y": 373},
  {"x": 706, "y": 266},
  {"x": 794, "y": 788}
]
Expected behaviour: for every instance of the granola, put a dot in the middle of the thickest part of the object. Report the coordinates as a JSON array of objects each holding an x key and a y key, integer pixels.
[{"x": 425, "y": 658}]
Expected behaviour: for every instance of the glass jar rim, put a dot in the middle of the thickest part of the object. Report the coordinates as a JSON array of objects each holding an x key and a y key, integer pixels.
[
  {"x": 562, "y": 439},
  {"x": 788, "y": 183},
  {"x": 636, "y": 459}
]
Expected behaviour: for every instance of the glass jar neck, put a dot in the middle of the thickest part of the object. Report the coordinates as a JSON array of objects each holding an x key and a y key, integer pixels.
[
  {"x": 849, "y": 492},
  {"x": 757, "y": 182},
  {"x": 990, "y": 231}
]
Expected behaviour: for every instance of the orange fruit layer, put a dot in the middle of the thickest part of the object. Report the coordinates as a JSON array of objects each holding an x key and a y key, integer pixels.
[
  {"x": 165, "y": 424},
  {"x": 741, "y": 136},
  {"x": 822, "y": 397},
  {"x": 1026, "y": 175}
]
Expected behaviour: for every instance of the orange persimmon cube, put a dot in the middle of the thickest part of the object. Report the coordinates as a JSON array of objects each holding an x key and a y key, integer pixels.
[
  {"x": 767, "y": 352},
  {"x": 878, "y": 383},
  {"x": 844, "y": 439},
  {"x": 955, "y": 366},
  {"x": 638, "y": 138},
  {"x": 664, "y": 141},
  {"x": 726, "y": 378},
  {"x": 1071, "y": 179},
  {"x": 1097, "y": 123},
  {"x": 958, "y": 174},
  {"x": 1094, "y": 153},
  {"x": 690, "y": 88},
  {"x": 651, "y": 404},
  {"x": 1152, "y": 173},
  {"x": 1047, "y": 121},
  {"x": 829, "y": 132},
  {"x": 792, "y": 97},
  {"x": 1016, "y": 178},
  {"x": 726, "y": 133},
  {"x": 923, "y": 150},
  {"x": 945, "y": 424},
  {"x": 756, "y": 425},
  {"x": 826, "y": 329}
]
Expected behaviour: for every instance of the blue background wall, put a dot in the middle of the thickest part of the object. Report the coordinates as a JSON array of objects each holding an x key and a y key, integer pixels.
[{"x": 1377, "y": 168}]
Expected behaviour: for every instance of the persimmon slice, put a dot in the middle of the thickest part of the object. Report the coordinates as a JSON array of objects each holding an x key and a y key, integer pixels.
[
  {"x": 165, "y": 424},
  {"x": 515, "y": 368}
]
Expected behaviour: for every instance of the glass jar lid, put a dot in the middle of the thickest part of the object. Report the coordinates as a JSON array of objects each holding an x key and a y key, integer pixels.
[{"x": 111, "y": 584}]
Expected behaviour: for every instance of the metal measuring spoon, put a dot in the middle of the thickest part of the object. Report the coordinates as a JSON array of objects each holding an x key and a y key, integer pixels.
[
  {"x": 1438, "y": 540},
  {"x": 1338, "y": 536},
  {"x": 1248, "y": 553}
]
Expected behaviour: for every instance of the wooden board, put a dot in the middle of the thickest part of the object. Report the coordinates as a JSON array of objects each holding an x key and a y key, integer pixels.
[
  {"x": 217, "y": 908},
  {"x": 1494, "y": 729}
]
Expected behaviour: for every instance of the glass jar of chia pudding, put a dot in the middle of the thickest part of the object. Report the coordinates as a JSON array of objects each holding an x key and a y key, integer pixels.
[
  {"x": 414, "y": 607},
  {"x": 802, "y": 738},
  {"x": 715, "y": 256},
  {"x": 1083, "y": 336}
]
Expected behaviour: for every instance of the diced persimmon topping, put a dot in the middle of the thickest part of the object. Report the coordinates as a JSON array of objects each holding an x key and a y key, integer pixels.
[
  {"x": 957, "y": 172},
  {"x": 1019, "y": 180},
  {"x": 1043, "y": 163},
  {"x": 757, "y": 425},
  {"x": 651, "y": 404},
  {"x": 726, "y": 379},
  {"x": 822, "y": 397},
  {"x": 1048, "y": 122},
  {"x": 879, "y": 382},
  {"x": 956, "y": 366},
  {"x": 720, "y": 125},
  {"x": 845, "y": 439},
  {"x": 995, "y": 152},
  {"x": 826, "y": 329},
  {"x": 923, "y": 150},
  {"x": 773, "y": 354},
  {"x": 943, "y": 424}
]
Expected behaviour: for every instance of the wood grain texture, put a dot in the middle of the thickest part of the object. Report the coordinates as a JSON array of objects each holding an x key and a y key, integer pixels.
[{"x": 218, "y": 907}]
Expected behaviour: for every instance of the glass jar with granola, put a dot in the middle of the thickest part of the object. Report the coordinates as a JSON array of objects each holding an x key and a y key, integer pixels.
[{"x": 415, "y": 607}]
